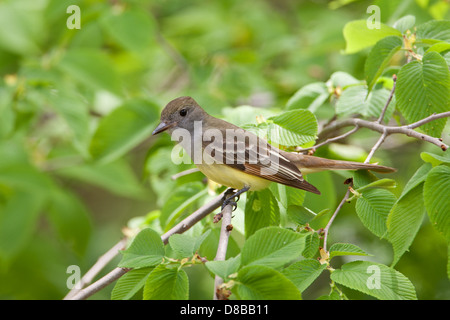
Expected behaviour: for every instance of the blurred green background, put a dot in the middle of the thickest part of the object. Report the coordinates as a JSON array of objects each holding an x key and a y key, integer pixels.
[{"x": 60, "y": 208}]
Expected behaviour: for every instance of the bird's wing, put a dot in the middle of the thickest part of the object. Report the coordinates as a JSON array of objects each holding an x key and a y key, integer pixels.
[{"x": 244, "y": 151}]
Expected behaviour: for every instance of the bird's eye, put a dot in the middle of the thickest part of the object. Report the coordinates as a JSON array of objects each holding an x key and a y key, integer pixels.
[{"x": 183, "y": 112}]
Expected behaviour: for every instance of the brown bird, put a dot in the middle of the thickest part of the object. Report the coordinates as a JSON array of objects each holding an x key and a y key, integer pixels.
[{"x": 236, "y": 158}]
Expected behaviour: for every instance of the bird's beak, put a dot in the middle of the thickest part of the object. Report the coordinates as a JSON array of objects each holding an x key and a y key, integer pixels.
[{"x": 163, "y": 127}]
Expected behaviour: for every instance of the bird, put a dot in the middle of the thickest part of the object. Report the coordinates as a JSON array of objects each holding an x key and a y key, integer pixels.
[{"x": 239, "y": 159}]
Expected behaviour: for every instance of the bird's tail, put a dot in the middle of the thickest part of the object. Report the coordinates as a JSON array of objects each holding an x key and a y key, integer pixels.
[{"x": 308, "y": 164}]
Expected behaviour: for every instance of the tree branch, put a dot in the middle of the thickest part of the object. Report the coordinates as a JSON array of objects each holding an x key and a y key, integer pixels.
[
  {"x": 181, "y": 227},
  {"x": 327, "y": 228},
  {"x": 222, "y": 247},
  {"x": 406, "y": 129},
  {"x": 391, "y": 95}
]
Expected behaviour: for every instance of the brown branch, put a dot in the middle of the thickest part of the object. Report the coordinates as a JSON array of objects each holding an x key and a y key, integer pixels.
[
  {"x": 406, "y": 129},
  {"x": 391, "y": 95},
  {"x": 327, "y": 228},
  {"x": 97, "y": 267},
  {"x": 181, "y": 227},
  {"x": 222, "y": 247}
]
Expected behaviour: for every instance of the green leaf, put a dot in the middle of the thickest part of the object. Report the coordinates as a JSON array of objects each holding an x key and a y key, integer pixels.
[
  {"x": 92, "y": 69},
  {"x": 264, "y": 283},
  {"x": 300, "y": 215},
  {"x": 272, "y": 247},
  {"x": 381, "y": 183},
  {"x": 21, "y": 28},
  {"x": 405, "y": 23},
  {"x": 437, "y": 200},
  {"x": 311, "y": 245},
  {"x": 404, "y": 221},
  {"x": 261, "y": 210},
  {"x": 18, "y": 220},
  {"x": 434, "y": 31},
  {"x": 123, "y": 129},
  {"x": 303, "y": 273},
  {"x": 179, "y": 201},
  {"x": 133, "y": 29},
  {"x": 224, "y": 268},
  {"x": 166, "y": 283},
  {"x": 287, "y": 196},
  {"x": 130, "y": 283},
  {"x": 345, "y": 249},
  {"x": 310, "y": 97},
  {"x": 423, "y": 88},
  {"x": 146, "y": 250},
  {"x": 71, "y": 219},
  {"x": 116, "y": 177},
  {"x": 373, "y": 208},
  {"x": 184, "y": 245},
  {"x": 343, "y": 79},
  {"x": 293, "y": 128},
  {"x": 357, "y": 99},
  {"x": 376, "y": 280},
  {"x": 439, "y": 47},
  {"x": 435, "y": 159},
  {"x": 74, "y": 111},
  {"x": 418, "y": 177},
  {"x": 379, "y": 58},
  {"x": 358, "y": 36}
]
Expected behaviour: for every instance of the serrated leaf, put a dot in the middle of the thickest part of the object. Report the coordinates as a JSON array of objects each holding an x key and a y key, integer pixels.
[
  {"x": 182, "y": 244},
  {"x": 311, "y": 245},
  {"x": 166, "y": 283},
  {"x": 264, "y": 283},
  {"x": 310, "y": 97},
  {"x": 346, "y": 249},
  {"x": 130, "y": 283},
  {"x": 224, "y": 268},
  {"x": 343, "y": 79},
  {"x": 405, "y": 23},
  {"x": 434, "y": 31},
  {"x": 404, "y": 221},
  {"x": 423, "y": 88},
  {"x": 293, "y": 128},
  {"x": 272, "y": 247},
  {"x": 357, "y": 99},
  {"x": 437, "y": 199},
  {"x": 418, "y": 177},
  {"x": 435, "y": 159},
  {"x": 373, "y": 208},
  {"x": 358, "y": 36},
  {"x": 179, "y": 200},
  {"x": 300, "y": 214},
  {"x": 376, "y": 280},
  {"x": 379, "y": 58},
  {"x": 261, "y": 210},
  {"x": 123, "y": 129},
  {"x": 303, "y": 273},
  {"x": 146, "y": 250}
]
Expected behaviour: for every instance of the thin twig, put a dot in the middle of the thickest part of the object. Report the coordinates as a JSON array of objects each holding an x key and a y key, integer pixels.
[
  {"x": 391, "y": 95},
  {"x": 97, "y": 267},
  {"x": 184, "y": 173},
  {"x": 222, "y": 246},
  {"x": 327, "y": 228},
  {"x": 342, "y": 136},
  {"x": 181, "y": 227},
  {"x": 376, "y": 146},
  {"x": 406, "y": 129}
]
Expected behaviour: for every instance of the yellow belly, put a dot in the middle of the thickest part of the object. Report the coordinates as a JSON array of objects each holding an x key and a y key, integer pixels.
[{"x": 233, "y": 178}]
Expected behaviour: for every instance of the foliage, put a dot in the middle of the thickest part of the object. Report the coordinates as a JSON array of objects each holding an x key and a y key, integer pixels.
[{"x": 77, "y": 107}]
